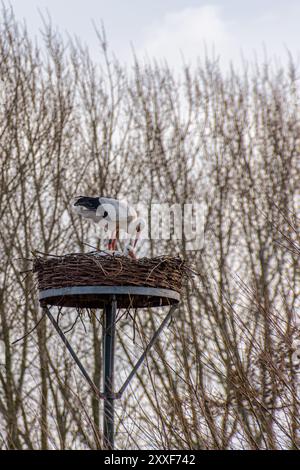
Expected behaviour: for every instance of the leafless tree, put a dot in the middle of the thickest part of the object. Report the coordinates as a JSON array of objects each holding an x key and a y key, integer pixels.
[{"x": 224, "y": 375}]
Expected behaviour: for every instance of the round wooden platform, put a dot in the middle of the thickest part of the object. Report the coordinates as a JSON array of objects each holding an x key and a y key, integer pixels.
[{"x": 99, "y": 296}]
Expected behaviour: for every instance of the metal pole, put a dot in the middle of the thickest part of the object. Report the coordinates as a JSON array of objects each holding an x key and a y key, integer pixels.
[{"x": 108, "y": 372}]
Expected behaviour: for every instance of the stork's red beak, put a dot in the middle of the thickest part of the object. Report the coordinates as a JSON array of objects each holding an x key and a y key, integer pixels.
[{"x": 132, "y": 254}]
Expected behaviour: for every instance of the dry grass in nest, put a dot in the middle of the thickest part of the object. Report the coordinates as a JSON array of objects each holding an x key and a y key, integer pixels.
[{"x": 109, "y": 270}]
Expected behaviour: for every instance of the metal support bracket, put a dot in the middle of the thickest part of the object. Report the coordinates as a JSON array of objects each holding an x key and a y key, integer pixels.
[
  {"x": 118, "y": 395},
  {"x": 148, "y": 348},
  {"x": 73, "y": 354}
]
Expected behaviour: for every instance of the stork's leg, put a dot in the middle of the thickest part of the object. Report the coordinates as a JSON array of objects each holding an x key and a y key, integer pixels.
[
  {"x": 110, "y": 240},
  {"x": 110, "y": 244},
  {"x": 115, "y": 239},
  {"x": 138, "y": 234}
]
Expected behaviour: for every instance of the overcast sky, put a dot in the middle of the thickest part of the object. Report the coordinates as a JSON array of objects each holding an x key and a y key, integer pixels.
[{"x": 172, "y": 28}]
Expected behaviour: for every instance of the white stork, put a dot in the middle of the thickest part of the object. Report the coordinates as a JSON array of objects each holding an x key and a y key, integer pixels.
[{"x": 115, "y": 215}]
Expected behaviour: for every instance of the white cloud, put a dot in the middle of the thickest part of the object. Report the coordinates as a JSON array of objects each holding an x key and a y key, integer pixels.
[
  {"x": 187, "y": 32},
  {"x": 190, "y": 31}
]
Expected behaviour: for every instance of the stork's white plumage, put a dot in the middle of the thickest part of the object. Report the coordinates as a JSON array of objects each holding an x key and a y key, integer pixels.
[{"x": 115, "y": 215}]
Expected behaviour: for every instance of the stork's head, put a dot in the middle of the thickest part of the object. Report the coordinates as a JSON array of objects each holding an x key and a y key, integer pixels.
[
  {"x": 130, "y": 251},
  {"x": 86, "y": 206}
]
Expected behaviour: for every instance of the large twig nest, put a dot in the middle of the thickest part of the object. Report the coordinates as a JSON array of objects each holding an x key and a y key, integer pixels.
[{"x": 99, "y": 269}]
